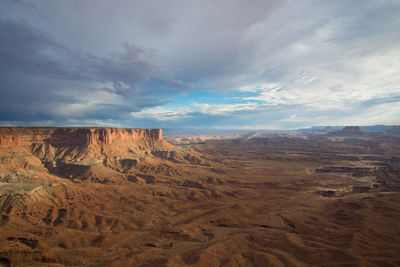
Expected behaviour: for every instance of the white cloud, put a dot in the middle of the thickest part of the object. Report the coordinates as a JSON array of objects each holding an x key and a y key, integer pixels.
[
  {"x": 224, "y": 109},
  {"x": 385, "y": 113},
  {"x": 162, "y": 114},
  {"x": 260, "y": 87},
  {"x": 356, "y": 79},
  {"x": 90, "y": 122},
  {"x": 328, "y": 59},
  {"x": 89, "y": 100},
  {"x": 166, "y": 114}
]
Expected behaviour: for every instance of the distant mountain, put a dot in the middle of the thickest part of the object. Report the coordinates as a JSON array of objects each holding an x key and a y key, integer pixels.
[
  {"x": 326, "y": 129},
  {"x": 255, "y": 133},
  {"x": 376, "y": 128},
  {"x": 395, "y": 130}
]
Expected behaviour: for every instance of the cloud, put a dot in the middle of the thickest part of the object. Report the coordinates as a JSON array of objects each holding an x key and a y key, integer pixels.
[
  {"x": 43, "y": 78},
  {"x": 193, "y": 110},
  {"x": 333, "y": 59},
  {"x": 162, "y": 114},
  {"x": 223, "y": 109},
  {"x": 267, "y": 63}
]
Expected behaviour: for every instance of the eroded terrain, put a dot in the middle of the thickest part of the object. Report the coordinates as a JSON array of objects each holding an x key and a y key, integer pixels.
[{"x": 323, "y": 200}]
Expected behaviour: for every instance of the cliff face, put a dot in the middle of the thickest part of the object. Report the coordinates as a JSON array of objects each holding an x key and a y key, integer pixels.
[{"x": 15, "y": 136}]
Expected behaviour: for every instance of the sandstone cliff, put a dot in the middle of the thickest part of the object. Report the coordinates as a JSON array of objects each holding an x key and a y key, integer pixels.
[
  {"x": 18, "y": 136},
  {"x": 77, "y": 150}
]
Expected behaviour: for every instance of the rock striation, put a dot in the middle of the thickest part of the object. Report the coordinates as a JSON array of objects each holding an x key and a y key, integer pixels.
[
  {"x": 95, "y": 154},
  {"x": 20, "y": 136}
]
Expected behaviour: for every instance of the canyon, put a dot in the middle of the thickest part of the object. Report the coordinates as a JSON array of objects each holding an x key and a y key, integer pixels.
[{"x": 112, "y": 197}]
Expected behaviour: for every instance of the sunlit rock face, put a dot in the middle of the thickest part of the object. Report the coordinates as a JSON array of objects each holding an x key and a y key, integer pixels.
[{"x": 14, "y": 136}]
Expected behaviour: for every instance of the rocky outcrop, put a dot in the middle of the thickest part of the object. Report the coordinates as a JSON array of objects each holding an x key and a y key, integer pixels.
[
  {"x": 80, "y": 154},
  {"x": 19, "y": 136}
]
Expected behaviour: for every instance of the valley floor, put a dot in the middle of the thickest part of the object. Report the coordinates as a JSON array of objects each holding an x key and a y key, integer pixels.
[{"x": 261, "y": 202}]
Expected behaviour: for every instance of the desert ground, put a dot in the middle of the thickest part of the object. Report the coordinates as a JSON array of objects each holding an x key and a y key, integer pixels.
[{"x": 122, "y": 198}]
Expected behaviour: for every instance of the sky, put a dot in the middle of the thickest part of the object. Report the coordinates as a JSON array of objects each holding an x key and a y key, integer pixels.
[{"x": 227, "y": 64}]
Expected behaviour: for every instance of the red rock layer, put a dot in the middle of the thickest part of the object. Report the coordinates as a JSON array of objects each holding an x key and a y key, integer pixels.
[{"x": 17, "y": 136}]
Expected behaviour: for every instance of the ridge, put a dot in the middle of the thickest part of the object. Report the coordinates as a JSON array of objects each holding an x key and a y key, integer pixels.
[{"x": 19, "y": 136}]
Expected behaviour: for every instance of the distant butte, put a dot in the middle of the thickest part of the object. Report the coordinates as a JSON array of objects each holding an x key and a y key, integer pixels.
[
  {"x": 352, "y": 129},
  {"x": 349, "y": 130}
]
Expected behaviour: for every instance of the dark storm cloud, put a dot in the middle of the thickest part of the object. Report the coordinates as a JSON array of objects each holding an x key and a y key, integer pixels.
[
  {"x": 39, "y": 76},
  {"x": 25, "y": 50}
]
